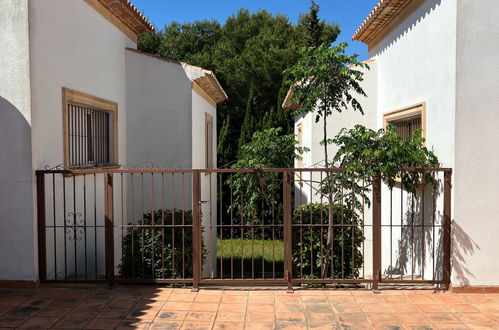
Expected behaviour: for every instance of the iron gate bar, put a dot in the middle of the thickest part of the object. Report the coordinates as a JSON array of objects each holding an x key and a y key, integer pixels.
[{"x": 196, "y": 226}]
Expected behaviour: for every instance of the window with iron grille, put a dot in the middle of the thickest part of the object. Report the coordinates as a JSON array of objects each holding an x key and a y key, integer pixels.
[
  {"x": 90, "y": 128},
  {"x": 407, "y": 120}
]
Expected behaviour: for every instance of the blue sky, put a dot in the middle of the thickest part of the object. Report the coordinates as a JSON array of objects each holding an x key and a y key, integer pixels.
[{"x": 348, "y": 13}]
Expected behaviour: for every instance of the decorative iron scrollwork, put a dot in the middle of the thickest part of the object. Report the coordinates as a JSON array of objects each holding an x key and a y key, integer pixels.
[{"x": 75, "y": 226}]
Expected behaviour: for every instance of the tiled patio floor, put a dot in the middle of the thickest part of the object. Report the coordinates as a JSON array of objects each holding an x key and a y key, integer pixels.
[{"x": 166, "y": 308}]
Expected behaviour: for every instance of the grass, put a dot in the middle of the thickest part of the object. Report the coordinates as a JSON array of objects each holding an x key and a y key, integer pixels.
[{"x": 246, "y": 249}]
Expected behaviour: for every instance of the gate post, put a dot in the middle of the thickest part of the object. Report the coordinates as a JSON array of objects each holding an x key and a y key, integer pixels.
[
  {"x": 376, "y": 232},
  {"x": 196, "y": 230},
  {"x": 109, "y": 230},
  {"x": 287, "y": 200},
  {"x": 40, "y": 209},
  {"x": 447, "y": 229}
]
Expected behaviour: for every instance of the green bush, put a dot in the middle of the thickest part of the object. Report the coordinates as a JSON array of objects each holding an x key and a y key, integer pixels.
[
  {"x": 145, "y": 245},
  {"x": 309, "y": 245}
]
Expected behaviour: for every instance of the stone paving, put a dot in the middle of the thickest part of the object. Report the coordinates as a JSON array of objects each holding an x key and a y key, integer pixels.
[{"x": 95, "y": 307}]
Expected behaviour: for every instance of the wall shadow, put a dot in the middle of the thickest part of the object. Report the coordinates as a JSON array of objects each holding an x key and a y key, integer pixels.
[{"x": 462, "y": 246}]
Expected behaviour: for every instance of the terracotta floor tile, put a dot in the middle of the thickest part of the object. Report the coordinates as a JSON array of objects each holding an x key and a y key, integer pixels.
[
  {"x": 39, "y": 323},
  {"x": 103, "y": 323},
  {"x": 208, "y": 298},
  {"x": 287, "y": 298},
  {"x": 291, "y": 326},
  {"x": 322, "y": 326},
  {"x": 477, "y": 298},
  {"x": 259, "y": 326},
  {"x": 234, "y": 299},
  {"x": 108, "y": 313},
  {"x": 420, "y": 326},
  {"x": 397, "y": 299},
  {"x": 435, "y": 318},
  {"x": 53, "y": 312},
  {"x": 196, "y": 325},
  {"x": 134, "y": 324},
  {"x": 433, "y": 308},
  {"x": 227, "y": 326},
  {"x": 449, "y": 299},
  {"x": 121, "y": 304},
  {"x": 410, "y": 318},
  {"x": 76, "y": 319},
  {"x": 232, "y": 308},
  {"x": 236, "y": 293},
  {"x": 352, "y": 318},
  {"x": 171, "y": 316},
  {"x": 270, "y": 308},
  {"x": 165, "y": 325},
  {"x": 204, "y": 307},
  {"x": 146, "y": 304},
  {"x": 200, "y": 316},
  {"x": 312, "y": 292},
  {"x": 177, "y": 306},
  {"x": 314, "y": 299},
  {"x": 374, "y": 299},
  {"x": 317, "y": 308},
  {"x": 345, "y": 308},
  {"x": 230, "y": 317},
  {"x": 290, "y": 317},
  {"x": 142, "y": 314},
  {"x": 320, "y": 318},
  {"x": 375, "y": 308},
  {"x": 452, "y": 326},
  {"x": 404, "y": 308},
  {"x": 260, "y": 300},
  {"x": 382, "y": 318},
  {"x": 181, "y": 297},
  {"x": 462, "y": 308},
  {"x": 338, "y": 293},
  {"x": 474, "y": 318},
  {"x": 341, "y": 299},
  {"x": 11, "y": 322},
  {"x": 260, "y": 317},
  {"x": 488, "y": 308},
  {"x": 93, "y": 304},
  {"x": 289, "y": 307},
  {"x": 387, "y": 326},
  {"x": 23, "y": 311},
  {"x": 422, "y": 300}
]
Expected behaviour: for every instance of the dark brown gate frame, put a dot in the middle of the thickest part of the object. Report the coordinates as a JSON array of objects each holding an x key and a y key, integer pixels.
[{"x": 287, "y": 223}]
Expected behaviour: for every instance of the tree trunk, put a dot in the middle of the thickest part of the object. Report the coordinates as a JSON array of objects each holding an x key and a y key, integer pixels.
[{"x": 330, "y": 235}]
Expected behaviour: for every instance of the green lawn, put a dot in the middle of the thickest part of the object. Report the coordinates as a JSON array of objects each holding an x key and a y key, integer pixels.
[{"x": 246, "y": 249}]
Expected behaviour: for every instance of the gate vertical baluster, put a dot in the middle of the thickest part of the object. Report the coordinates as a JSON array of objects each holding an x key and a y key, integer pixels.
[
  {"x": 447, "y": 229},
  {"x": 40, "y": 208},
  {"x": 376, "y": 232},
  {"x": 287, "y": 231},
  {"x": 196, "y": 230},
  {"x": 109, "y": 218}
]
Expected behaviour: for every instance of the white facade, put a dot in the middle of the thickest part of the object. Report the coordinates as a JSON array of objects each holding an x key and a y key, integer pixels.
[{"x": 53, "y": 44}]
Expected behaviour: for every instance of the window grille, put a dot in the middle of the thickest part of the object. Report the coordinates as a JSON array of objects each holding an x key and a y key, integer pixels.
[
  {"x": 89, "y": 136},
  {"x": 405, "y": 127}
]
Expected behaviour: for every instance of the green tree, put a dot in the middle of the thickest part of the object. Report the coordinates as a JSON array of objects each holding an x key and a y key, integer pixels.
[
  {"x": 248, "y": 123},
  {"x": 324, "y": 80},
  {"x": 225, "y": 144},
  {"x": 247, "y": 50},
  {"x": 318, "y": 31}
]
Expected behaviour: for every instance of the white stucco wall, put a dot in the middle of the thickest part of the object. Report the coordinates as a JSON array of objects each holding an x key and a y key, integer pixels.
[
  {"x": 73, "y": 46},
  {"x": 17, "y": 229},
  {"x": 476, "y": 179},
  {"x": 209, "y": 182},
  {"x": 417, "y": 63}
]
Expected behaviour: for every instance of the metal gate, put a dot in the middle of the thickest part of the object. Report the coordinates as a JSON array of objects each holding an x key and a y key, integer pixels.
[{"x": 243, "y": 226}]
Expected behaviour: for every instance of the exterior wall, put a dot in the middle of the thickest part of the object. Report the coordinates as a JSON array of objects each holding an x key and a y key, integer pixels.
[
  {"x": 476, "y": 211},
  {"x": 200, "y": 107},
  {"x": 416, "y": 63},
  {"x": 158, "y": 113},
  {"x": 17, "y": 230},
  {"x": 73, "y": 46}
]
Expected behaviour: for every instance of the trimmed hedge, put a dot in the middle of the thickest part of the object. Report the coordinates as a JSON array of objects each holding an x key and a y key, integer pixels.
[
  {"x": 145, "y": 245},
  {"x": 310, "y": 242}
]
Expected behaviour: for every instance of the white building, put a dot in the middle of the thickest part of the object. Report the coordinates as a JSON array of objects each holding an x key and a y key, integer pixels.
[
  {"x": 70, "y": 68},
  {"x": 435, "y": 65}
]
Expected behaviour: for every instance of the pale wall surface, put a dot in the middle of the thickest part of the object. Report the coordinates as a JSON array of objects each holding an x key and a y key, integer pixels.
[
  {"x": 208, "y": 182},
  {"x": 476, "y": 184},
  {"x": 17, "y": 230},
  {"x": 158, "y": 113},
  {"x": 73, "y": 46},
  {"x": 417, "y": 63}
]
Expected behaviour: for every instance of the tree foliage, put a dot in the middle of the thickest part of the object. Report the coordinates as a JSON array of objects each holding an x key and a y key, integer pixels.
[{"x": 248, "y": 53}]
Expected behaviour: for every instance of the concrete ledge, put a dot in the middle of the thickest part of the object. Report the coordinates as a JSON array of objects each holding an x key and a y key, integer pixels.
[
  {"x": 474, "y": 289},
  {"x": 19, "y": 284}
]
